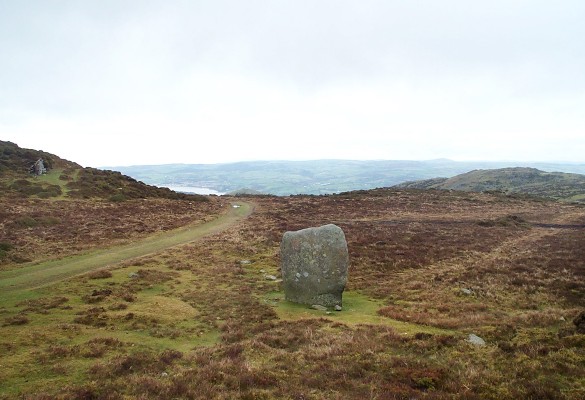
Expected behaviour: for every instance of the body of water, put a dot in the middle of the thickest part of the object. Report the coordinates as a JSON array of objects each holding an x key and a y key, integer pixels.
[{"x": 193, "y": 189}]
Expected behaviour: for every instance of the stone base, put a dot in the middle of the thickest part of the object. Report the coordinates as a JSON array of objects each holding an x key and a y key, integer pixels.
[{"x": 326, "y": 300}]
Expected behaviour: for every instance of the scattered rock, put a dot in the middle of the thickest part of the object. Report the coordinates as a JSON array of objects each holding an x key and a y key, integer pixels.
[
  {"x": 562, "y": 319},
  {"x": 476, "y": 340},
  {"x": 466, "y": 291},
  {"x": 245, "y": 262},
  {"x": 314, "y": 264},
  {"x": 133, "y": 275},
  {"x": 579, "y": 322},
  {"x": 164, "y": 374},
  {"x": 270, "y": 277},
  {"x": 337, "y": 307},
  {"x": 262, "y": 271},
  {"x": 318, "y": 307}
]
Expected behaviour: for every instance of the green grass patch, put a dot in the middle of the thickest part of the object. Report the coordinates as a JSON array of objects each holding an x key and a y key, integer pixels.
[
  {"x": 54, "y": 178},
  {"x": 45, "y": 186},
  {"x": 49, "y": 340},
  {"x": 357, "y": 309},
  {"x": 51, "y": 177}
]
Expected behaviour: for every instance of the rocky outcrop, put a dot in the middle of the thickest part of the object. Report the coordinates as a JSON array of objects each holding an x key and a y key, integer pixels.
[{"x": 38, "y": 168}]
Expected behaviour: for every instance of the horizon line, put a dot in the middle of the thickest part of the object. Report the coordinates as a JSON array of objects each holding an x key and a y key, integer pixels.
[{"x": 347, "y": 160}]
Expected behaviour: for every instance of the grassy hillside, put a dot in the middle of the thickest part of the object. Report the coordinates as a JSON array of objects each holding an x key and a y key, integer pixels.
[
  {"x": 202, "y": 321},
  {"x": 16, "y": 160},
  {"x": 65, "y": 179},
  {"x": 530, "y": 181},
  {"x": 311, "y": 177},
  {"x": 87, "y": 207}
]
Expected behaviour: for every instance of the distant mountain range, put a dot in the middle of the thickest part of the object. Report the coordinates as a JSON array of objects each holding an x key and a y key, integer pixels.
[
  {"x": 315, "y": 177},
  {"x": 530, "y": 181}
]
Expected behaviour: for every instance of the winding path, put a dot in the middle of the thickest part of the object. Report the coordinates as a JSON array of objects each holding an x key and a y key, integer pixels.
[{"x": 42, "y": 274}]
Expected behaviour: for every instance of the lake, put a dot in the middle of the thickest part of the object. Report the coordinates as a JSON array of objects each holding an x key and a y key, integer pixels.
[{"x": 193, "y": 189}]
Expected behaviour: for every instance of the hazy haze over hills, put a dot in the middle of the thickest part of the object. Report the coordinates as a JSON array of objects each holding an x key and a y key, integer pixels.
[{"x": 314, "y": 177}]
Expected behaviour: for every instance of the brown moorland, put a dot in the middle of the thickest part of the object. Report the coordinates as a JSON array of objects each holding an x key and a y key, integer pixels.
[
  {"x": 37, "y": 229},
  {"x": 201, "y": 320}
]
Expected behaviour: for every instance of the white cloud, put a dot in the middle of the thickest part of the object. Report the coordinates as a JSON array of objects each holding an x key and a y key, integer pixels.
[{"x": 152, "y": 82}]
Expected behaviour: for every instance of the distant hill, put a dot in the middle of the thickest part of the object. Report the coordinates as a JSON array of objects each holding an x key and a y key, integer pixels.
[
  {"x": 283, "y": 178},
  {"x": 530, "y": 181},
  {"x": 65, "y": 179}
]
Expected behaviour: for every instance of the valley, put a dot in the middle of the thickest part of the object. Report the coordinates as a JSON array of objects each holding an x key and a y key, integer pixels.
[{"x": 317, "y": 177}]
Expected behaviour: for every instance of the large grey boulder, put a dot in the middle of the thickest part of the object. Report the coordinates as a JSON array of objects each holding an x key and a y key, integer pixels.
[{"x": 314, "y": 264}]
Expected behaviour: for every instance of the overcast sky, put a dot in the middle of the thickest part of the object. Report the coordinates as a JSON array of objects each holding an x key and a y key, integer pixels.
[{"x": 122, "y": 82}]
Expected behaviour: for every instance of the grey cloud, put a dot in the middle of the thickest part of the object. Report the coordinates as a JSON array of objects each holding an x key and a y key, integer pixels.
[{"x": 78, "y": 54}]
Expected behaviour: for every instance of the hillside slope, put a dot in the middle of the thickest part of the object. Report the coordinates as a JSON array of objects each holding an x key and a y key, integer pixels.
[
  {"x": 66, "y": 179},
  {"x": 530, "y": 181}
]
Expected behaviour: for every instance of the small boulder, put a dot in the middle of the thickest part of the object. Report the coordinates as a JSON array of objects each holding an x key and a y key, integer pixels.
[
  {"x": 318, "y": 307},
  {"x": 476, "y": 340},
  {"x": 337, "y": 307},
  {"x": 270, "y": 277}
]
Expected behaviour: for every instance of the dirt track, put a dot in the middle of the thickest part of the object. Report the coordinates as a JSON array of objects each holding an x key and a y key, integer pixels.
[{"x": 42, "y": 274}]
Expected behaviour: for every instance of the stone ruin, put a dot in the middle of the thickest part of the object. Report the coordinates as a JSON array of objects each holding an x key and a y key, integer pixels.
[{"x": 314, "y": 265}]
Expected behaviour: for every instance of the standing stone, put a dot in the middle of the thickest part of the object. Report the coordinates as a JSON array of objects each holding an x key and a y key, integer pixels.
[{"x": 314, "y": 264}]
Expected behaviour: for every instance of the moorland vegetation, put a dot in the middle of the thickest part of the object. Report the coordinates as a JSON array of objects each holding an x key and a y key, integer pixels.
[
  {"x": 65, "y": 179},
  {"x": 428, "y": 269},
  {"x": 528, "y": 181}
]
